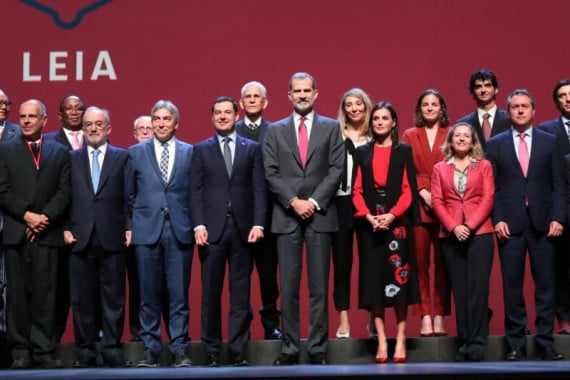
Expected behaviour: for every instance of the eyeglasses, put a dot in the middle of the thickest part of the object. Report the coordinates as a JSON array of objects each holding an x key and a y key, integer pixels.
[
  {"x": 5, "y": 103},
  {"x": 141, "y": 129}
]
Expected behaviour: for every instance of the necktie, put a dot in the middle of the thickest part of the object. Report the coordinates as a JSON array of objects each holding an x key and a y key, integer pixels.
[
  {"x": 568, "y": 129},
  {"x": 228, "y": 155},
  {"x": 252, "y": 126},
  {"x": 75, "y": 142},
  {"x": 523, "y": 153},
  {"x": 486, "y": 126},
  {"x": 303, "y": 141},
  {"x": 35, "y": 148},
  {"x": 95, "y": 170},
  {"x": 163, "y": 165}
]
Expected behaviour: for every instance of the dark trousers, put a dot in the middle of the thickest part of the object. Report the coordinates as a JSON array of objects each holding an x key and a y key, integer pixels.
[
  {"x": 563, "y": 278},
  {"x": 134, "y": 294},
  {"x": 32, "y": 273},
  {"x": 97, "y": 280},
  {"x": 265, "y": 259},
  {"x": 290, "y": 251},
  {"x": 167, "y": 263},
  {"x": 468, "y": 266},
  {"x": 542, "y": 262},
  {"x": 213, "y": 257},
  {"x": 62, "y": 293},
  {"x": 342, "y": 255}
]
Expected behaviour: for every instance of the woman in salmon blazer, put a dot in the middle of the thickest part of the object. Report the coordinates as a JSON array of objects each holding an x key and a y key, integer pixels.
[
  {"x": 426, "y": 138},
  {"x": 462, "y": 191}
]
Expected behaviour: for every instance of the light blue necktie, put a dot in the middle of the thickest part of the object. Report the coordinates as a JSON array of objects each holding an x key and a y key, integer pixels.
[{"x": 95, "y": 170}]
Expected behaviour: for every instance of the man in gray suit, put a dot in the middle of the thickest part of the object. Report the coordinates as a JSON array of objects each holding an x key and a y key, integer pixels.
[{"x": 303, "y": 158}]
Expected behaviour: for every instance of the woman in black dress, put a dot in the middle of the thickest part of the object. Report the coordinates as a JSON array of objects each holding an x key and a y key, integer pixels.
[{"x": 386, "y": 205}]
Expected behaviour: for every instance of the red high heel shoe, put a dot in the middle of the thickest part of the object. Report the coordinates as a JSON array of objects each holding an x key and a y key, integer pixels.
[
  {"x": 381, "y": 360},
  {"x": 400, "y": 359}
]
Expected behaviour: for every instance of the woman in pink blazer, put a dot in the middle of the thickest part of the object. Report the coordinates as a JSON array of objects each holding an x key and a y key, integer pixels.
[{"x": 462, "y": 191}]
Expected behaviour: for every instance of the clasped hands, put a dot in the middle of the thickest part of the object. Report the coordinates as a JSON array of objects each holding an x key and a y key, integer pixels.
[
  {"x": 35, "y": 225},
  {"x": 380, "y": 222}
]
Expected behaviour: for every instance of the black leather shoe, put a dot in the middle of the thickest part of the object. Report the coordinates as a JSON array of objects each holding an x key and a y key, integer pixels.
[
  {"x": 182, "y": 360},
  {"x": 460, "y": 356},
  {"x": 319, "y": 358},
  {"x": 475, "y": 356},
  {"x": 48, "y": 362},
  {"x": 21, "y": 363},
  {"x": 548, "y": 353},
  {"x": 149, "y": 360},
  {"x": 286, "y": 359},
  {"x": 516, "y": 354},
  {"x": 118, "y": 363},
  {"x": 136, "y": 338},
  {"x": 212, "y": 360},
  {"x": 274, "y": 334},
  {"x": 83, "y": 363},
  {"x": 238, "y": 360}
]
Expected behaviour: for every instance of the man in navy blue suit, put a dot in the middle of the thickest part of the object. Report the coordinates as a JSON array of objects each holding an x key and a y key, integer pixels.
[
  {"x": 158, "y": 187},
  {"x": 254, "y": 127},
  {"x": 228, "y": 207},
  {"x": 560, "y": 127},
  {"x": 98, "y": 233},
  {"x": 529, "y": 212}
]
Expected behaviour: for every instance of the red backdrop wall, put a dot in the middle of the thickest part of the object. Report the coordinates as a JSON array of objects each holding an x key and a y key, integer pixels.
[{"x": 124, "y": 55}]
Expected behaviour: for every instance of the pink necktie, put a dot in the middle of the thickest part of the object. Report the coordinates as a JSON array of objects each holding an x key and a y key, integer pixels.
[
  {"x": 75, "y": 142},
  {"x": 303, "y": 142},
  {"x": 523, "y": 153}
]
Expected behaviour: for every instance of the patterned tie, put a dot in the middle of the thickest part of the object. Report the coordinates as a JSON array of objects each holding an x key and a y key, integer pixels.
[
  {"x": 303, "y": 141},
  {"x": 486, "y": 126},
  {"x": 95, "y": 170},
  {"x": 163, "y": 165},
  {"x": 228, "y": 155},
  {"x": 568, "y": 129},
  {"x": 523, "y": 153},
  {"x": 75, "y": 141}
]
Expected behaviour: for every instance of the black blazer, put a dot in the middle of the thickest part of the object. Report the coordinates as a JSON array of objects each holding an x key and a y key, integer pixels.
[
  {"x": 10, "y": 130},
  {"x": 23, "y": 188},
  {"x": 106, "y": 210},
  {"x": 501, "y": 123},
  {"x": 59, "y": 137},
  {"x": 556, "y": 128}
]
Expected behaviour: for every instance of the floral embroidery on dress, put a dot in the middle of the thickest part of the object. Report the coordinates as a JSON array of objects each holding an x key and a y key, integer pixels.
[
  {"x": 402, "y": 274},
  {"x": 391, "y": 290}
]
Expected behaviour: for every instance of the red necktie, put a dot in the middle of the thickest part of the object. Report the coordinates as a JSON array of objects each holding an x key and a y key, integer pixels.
[
  {"x": 303, "y": 142},
  {"x": 523, "y": 153},
  {"x": 486, "y": 126}
]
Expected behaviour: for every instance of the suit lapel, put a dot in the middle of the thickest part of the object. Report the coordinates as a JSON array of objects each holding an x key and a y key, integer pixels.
[
  {"x": 84, "y": 167},
  {"x": 315, "y": 137},
  {"x": 151, "y": 157},
  {"x": 290, "y": 137},
  {"x": 108, "y": 163}
]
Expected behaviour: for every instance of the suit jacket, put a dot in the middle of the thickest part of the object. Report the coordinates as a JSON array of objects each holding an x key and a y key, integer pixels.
[
  {"x": 241, "y": 129},
  {"x": 556, "y": 128},
  {"x": 424, "y": 160},
  {"x": 10, "y": 130},
  {"x": 501, "y": 122},
  {"x": 23, "y": 188},
  {"x": 319, "y": 180},
  {"x": 212, "y": 191},
  {"x": 544, "y": 186},
  {"x": 59, "y": 137},
  {"x": 474, "y": 207},
  {"x": 148, "y": 196},
  {"x": 105, "y": 209}
]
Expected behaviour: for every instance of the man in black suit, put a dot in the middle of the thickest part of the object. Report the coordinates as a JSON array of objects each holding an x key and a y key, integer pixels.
[
  {"x": 8, "y": 130},
  {"x": 560, "y": 127},
  {"x": 34, "y": 194},
  {"x": 228, "y": 199},
  {"x": 488, "y": 120},
  {"x": 303, "y": 156},
  {"x": 70, "y": 135},
  {"x": 528, "y": 214},
  {"x": 254, "y": 127},
  {"x": 98, "y": 234}
]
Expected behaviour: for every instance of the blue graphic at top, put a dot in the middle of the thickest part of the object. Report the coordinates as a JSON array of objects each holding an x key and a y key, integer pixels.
[{"x": 54, "y": 13}]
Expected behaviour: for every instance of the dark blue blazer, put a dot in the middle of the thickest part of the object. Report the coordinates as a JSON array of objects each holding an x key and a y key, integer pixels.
[
  {"x": 23, "y": 188},
  {"x": 10, "y": 130},
  {"x": 556, "y": 128},
  {"x": 59, "y": 137},
  {"x": 544, "y": 186},
  {"x": 147, "y": 194},
  {"x": 212, "y": 189},
  {"x": 106, "y": 209},
  {"x": 501, "y": 123}
]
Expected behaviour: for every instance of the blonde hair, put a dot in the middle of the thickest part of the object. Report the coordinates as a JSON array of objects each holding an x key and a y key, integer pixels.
[
  {"x": 343, "y": 117},
  {"x": 476, "y": 151}
]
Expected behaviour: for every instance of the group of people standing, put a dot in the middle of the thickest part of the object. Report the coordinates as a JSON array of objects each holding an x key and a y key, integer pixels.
[{"x": 260, "y": 194}]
